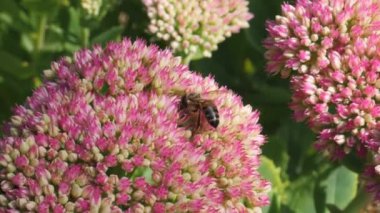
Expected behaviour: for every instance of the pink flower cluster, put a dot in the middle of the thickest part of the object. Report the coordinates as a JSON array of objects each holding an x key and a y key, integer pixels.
[
  {"x": 372, "y": 178},
  {"x": 328, "y": 47},
  {"x": 196, "y": 27},
  {"x": 372, "y": 171},
  {"x": 101, "y": 135}
]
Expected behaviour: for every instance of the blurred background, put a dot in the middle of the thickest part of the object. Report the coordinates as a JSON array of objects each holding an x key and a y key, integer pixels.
[{"x": 35, "y": 32}]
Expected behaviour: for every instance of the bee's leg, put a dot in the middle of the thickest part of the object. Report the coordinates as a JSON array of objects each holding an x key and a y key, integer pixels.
[
  {"x": 198, "y": 127},
  {"x": 183, "y": 120}
]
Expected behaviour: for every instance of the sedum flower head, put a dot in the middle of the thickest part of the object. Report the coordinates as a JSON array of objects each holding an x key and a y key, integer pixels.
[
  {"x": 328, "y": 47},
  {"x": 372, "y": 177},
  {"x": 101, "y": 135},
  {"x": 371, "y": 173},
  {"x": 91, "y": 7},
  {"x": 196, "y": 27}
]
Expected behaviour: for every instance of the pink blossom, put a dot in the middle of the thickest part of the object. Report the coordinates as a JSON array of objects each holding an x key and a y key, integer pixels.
[
  {"x": 326, "y": 47},
  {"x": 196, "y": 27},
  {"x": 92, "y": 139}
]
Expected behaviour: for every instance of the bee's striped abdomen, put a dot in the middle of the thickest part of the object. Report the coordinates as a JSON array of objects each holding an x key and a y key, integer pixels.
[{"x": 212, "y": 115}]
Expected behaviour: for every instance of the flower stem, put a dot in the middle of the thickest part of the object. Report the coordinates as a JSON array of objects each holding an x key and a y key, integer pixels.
[
  {"x": 186, "y": 59},
  {"x": 39, "y": 41},
  {"x": 40, "y": 34},
  {"x": 362, "y": 199},
  {"x": 85, "y": 36}
]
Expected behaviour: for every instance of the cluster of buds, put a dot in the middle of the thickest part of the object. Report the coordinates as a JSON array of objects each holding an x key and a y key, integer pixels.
[
  {"x": 91, "y": 7},
  {"x": 195, "y": 28},
  {"x": 371, "y": 173},
  {"x": 328, "y": 48},
  {"x": 101, "y": 135}
]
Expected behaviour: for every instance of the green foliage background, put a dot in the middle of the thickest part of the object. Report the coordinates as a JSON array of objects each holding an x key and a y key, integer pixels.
[{"x": 35, "y": 32}]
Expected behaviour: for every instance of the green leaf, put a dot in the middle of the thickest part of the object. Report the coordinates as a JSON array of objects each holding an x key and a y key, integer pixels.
[
  {"x": 320, "y": 198},
  {"x": 105, "y": 88},
  {"x": 27, "y": 42},
  {"x": 9, "y": 6},
  {"x": 70, "y": 47},
  {"x": 361, "y": 200},
  {"x": 12, "y": 91},
  {"x": 269, "y": 171},
  {"x": 279, "y": 95},
  {"x": 263, "y": 11},
  {"x": 272, "y": 173},
  {"x": 333, "y": 209},
  {"x": 74, "y": 26},
  {"x": 341, "y": 187},
  {"x": 276, "y": 150},
  {"x": 114, "y": 33},
  {"x": 143, "y": 171},
  {"x": 249, "y": 67},
  {"x": 298, "y": 140},
  {"x": 5, "y": 19},
  {"x": 53, "y": 47},
  {"x": 14, "y": 66},
  {"x": 300, "y": 195},
  {"x": 22, "y": 22},
  {"x": 275, "y": 205},
  {"x": 148, "y": 175},
  {"x": 42, "y": 6}
]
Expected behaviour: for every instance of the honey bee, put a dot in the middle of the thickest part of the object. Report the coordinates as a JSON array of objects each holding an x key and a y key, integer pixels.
[{"x": 194, "y": 110}]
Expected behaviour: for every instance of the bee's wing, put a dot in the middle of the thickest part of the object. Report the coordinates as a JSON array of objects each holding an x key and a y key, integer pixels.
[
  {"x": 207, "y": 95},
  {"x": 213, "y": 94}
]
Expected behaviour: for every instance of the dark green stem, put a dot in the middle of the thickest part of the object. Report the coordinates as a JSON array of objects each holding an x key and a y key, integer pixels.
[
  {"x": 85, "y": 36},
  {"x": 186, "y": 59},
  {"x": 39, "y": 41},
  {"x": 362, "y": 199},
  {"x": 41, "y": 33}
]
